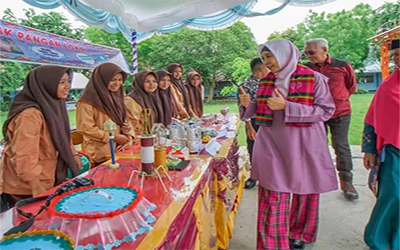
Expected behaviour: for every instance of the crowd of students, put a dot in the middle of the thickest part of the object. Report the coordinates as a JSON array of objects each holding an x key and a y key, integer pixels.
[{"x": 39, "y": 151}]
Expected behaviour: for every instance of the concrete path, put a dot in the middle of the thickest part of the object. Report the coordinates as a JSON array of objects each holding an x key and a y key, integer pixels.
[{"x": 341, "y": 224}]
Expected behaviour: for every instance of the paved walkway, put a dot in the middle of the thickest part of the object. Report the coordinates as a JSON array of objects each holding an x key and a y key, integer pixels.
[{"x": 341, "y": 222}]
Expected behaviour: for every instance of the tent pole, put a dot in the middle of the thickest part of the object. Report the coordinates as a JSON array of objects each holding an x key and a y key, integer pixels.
[{"x": 134, "y": 52}]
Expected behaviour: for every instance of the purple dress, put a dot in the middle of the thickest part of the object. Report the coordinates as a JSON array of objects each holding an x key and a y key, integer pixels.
[{"x": 296, "y": 159}]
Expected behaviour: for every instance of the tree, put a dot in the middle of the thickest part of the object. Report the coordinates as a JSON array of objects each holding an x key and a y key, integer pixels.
[
  {"x": 13, "y": 74},
  {"x": 11, "y": 77},
  {"x": 242, "y": 69},
  {"x": 211, "y": 53},
  {"x": 51, "y": 22},
  {"x": 99, "y": 36},
  {"x": 292, "y": 34},
  {"x": 346, "y": 32},
  {"x": 386, "y": 16}
]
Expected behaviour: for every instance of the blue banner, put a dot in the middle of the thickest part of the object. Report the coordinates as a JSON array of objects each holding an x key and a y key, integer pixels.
[{"x": 23, "y": 44}]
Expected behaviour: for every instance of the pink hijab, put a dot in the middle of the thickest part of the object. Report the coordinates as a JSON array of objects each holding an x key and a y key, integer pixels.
[
  {"x": 288, "y": 56},
  {"x": 383, "y": 113}
]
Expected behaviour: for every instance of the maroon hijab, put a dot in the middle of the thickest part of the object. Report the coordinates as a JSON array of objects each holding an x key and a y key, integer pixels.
[
  {"x": 147, "y": 100},
  {"x": 178, "y": 83},
  {"x": 40, "y": 91},
  {"x": 194, "y": 93},
  {"x": 97, "y": 94},
  {"x": 166, "y": 99}
]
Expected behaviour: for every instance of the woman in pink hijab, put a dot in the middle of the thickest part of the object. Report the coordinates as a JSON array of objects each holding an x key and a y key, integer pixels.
[
  {"x": 291, "y": 159},
  {"x": 381, "y": 143}
]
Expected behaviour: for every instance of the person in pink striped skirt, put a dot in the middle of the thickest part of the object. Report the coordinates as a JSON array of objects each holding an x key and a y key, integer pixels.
[{"x": 291, "y": 158}]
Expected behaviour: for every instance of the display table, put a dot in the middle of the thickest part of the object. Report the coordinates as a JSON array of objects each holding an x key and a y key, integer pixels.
[{"x": 196, "y": 212}]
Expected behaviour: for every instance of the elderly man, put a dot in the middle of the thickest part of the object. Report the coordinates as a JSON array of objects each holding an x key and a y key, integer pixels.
[
  {"x": 250, "y": 86},
  {"x": 342, "y": 84}
]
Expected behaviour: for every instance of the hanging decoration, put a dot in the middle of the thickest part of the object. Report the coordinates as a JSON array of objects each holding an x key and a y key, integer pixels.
[{"x": 123, "y": 16}]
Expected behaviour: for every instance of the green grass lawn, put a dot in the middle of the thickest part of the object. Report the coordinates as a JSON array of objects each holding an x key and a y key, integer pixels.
[{"x": 360, "y": 104}]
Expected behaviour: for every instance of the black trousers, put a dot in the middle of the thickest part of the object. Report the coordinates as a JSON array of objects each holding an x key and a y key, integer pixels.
[{"x": 339, "y": 128}]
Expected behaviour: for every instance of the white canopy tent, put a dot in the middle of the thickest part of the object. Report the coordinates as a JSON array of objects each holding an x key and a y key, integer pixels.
[
  {"x": 152, "y": 16},
  {"x": 140, "y": 19},
  {"x": 79, "y": 81}
]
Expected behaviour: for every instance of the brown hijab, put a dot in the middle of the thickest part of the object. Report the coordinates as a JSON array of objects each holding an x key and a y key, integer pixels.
[
  {"x": 195, "y": 93},
  {"x": 179, "y": 84},
  {"x": 168, "y": 103},
  {"x": 40, "y": 91},
  {"x": 147, "y": 100},
  {"x": 97, "y": 94}
]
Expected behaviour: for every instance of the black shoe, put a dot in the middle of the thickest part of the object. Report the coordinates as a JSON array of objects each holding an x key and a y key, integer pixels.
[
  {"x": 297, "y": 245},
  {"x": 250, "y": 183},
  {"x": 349, "y": 190}
]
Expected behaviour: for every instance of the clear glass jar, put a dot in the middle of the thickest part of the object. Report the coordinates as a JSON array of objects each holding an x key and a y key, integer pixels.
[{"x": 194, "y": 138}]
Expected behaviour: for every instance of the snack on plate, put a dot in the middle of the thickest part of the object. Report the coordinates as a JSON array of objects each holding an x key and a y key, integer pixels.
[
  {"x": 206, "y": 139},
  {"x": 210, "y": 131},
  {"x": 173, "y": 162},
  {"x": 208, "y": 120},
  {"x": 224, "y": 111}
]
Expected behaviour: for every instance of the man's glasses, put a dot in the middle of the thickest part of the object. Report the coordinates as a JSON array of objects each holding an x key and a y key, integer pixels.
[{"x": 310, "y": 52}]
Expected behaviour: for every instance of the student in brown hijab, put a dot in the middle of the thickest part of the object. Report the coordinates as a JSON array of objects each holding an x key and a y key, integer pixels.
[
  {"x": 38, "y": 148},
  {"x": 195, "y": 92},
  {"x": 179, "y": 91},
  {"x": 144, "y": 95},
  {"x": 103, "y": 99},
  {"x": 164, "y": 92}
]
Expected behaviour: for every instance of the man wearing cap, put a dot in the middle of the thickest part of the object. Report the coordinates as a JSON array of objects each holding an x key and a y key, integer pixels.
[{"x": 342, "y": 84}]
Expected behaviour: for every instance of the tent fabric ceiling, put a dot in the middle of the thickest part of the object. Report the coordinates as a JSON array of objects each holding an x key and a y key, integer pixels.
[
  {"x": 160, "y": 16},
  {"x": 79, "y": 81}
]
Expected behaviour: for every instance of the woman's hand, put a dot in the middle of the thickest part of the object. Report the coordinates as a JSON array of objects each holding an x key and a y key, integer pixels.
[
  {"x": 277, "y": 102},
  {"x": 369, "y": 160},
  {"x": 121, "y": 139},
  {"x": 125, "y": 146},
  {"x": 244, "y": 98},
  {"x": 126, "y": 128},
  {"x": 251, "y": 132}
]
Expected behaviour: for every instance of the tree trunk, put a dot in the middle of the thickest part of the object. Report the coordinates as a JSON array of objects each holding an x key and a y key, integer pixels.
[{"x": 211, "y": 92}]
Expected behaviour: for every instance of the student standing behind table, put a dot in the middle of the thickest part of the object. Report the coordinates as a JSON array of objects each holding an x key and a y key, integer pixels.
[
  {"x": 179, "y": 91},
  {"x": 102, "y": 100},
  {"x": 342, "y": 84},
  {"x": 144, "y": 95},
  {"x": 165, "y": 96},
  {"x": 38, "y": 148},
  {"x": 291, "y": 159},
  {"x": 195, "y": 92},
  {"x": 250, "y": 86}
]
